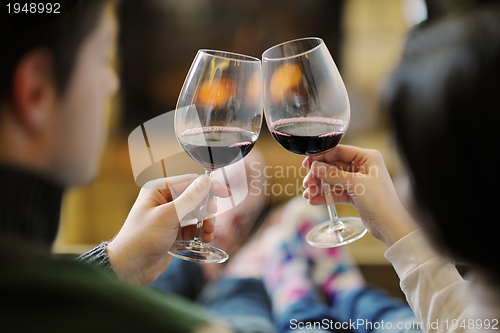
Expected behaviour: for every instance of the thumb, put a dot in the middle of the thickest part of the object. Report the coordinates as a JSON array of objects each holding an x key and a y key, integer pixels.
[
  {"x": 192, "y": 196},
  {"x": 332, "y": 175}
]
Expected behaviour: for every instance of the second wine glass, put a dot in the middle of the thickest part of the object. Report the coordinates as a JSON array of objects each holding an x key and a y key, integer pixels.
[
  {"x": 217, "y": 121},
  {"x": 307, "y": 111}
]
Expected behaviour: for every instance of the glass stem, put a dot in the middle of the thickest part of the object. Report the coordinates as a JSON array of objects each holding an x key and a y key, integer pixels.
[
  {"x": 336, "y": 224},
  {"x": 197, "y": 243}
]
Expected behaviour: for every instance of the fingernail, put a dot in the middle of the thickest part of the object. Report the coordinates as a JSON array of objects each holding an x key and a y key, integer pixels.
[
  {"x": 202, "y": 182},
  {"x": 319, "y": 167},
  {"x": 306, "y": 178}
]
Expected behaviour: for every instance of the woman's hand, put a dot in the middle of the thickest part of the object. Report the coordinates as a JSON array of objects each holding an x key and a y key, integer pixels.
[
  {"x": 360, "y": 178},
  {"x": 139, "y": 252}
]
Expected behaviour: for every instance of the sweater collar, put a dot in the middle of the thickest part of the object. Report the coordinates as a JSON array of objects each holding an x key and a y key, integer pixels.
[{"x": 30, "y": 206}]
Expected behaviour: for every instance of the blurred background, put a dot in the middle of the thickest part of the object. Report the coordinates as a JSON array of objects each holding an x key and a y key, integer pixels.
[{"x": 158, "y": 40}]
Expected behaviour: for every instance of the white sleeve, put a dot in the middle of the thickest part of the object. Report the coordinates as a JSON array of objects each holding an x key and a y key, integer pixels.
[{"x": 433, "y": 287}]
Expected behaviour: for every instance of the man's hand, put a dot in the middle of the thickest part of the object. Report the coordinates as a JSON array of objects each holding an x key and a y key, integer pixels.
[{"x": 139, "y": 252}]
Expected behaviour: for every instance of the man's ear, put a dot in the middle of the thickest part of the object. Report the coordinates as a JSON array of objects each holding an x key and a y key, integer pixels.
[{"x": 33, "y": 89}]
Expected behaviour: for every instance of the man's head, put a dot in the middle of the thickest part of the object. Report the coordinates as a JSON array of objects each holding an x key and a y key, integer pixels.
[
  {"x": 444, "y": 98},
  {"x": 55, "y": 79}
]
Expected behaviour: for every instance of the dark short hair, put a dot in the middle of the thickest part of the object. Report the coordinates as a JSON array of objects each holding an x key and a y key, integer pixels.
[
  {"x": 444, "y": 99},
  {"x": 62, "y": 36}
]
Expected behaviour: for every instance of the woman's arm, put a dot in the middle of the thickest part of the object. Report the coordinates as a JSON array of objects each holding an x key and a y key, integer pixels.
[
  {"x": 431, "y": 283},
  {"x": 433, "y": 287}
]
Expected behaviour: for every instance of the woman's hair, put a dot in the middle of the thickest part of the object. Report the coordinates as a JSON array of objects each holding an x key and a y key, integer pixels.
[
  {"x": 62, "y": 36},
  {"x": 444, "y": 100}
]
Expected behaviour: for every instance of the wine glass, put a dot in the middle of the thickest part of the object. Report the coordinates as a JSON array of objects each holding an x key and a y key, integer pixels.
[
  {"x": 307, "y": 111},
  {"x": 217, "y": 121}
]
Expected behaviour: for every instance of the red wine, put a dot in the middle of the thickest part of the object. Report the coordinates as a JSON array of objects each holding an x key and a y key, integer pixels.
[
  {"x": 308, "y": 136},
  {"x": 214, "y": 147}
]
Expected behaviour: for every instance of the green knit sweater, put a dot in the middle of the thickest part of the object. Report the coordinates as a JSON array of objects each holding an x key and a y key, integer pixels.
[{"x": 41, "y": 294}]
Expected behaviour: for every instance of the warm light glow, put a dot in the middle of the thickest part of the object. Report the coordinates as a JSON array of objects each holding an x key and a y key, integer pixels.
[
  {"x": 254, "y": 88},
  {"x": 216, "y": 92},
  {"x": 285, "y": 78}
]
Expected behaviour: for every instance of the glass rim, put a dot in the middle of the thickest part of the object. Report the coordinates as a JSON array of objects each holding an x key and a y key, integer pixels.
[
  {"x": 321, "y": 42},
  {"x": 218, "y": 54}
]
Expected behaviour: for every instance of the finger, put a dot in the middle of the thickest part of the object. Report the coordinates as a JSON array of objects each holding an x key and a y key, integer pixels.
[
  {"x": 212, "y": 208},
  {"x": 311, "y": 192},
  {"x": 168, "y": 186},
  {"x": 208, "y": 229},
  {"x": 219, "y": 189},
  {"x": 190, "y": 231},
  {"x": 306, "y": 163},
  {"x": 212, "y": 205},
  {"x": 351, "y": 158},
  {"x": 339, "y": 196},
  {"x": 189, "y": 177},
  {"x": 177, "y": 188},
  {"x": 310, "y": 180},
  {"x": 315, "y": 191},
  {"x": 207, "y": 238},
  {"x": 332, "y": 175},
  {"x": 313, "y": 186},
  {"x": 192, "y": 196},
  {"x": 343, "y": 153},
  {"x": 209, "y": 226},
  {"x": 182, "y": 182}
]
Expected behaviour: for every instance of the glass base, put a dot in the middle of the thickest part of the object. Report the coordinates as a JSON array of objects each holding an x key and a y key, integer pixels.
[
  {"x": 207, "y": 254},
  {"x": 324, "y": 235}
]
